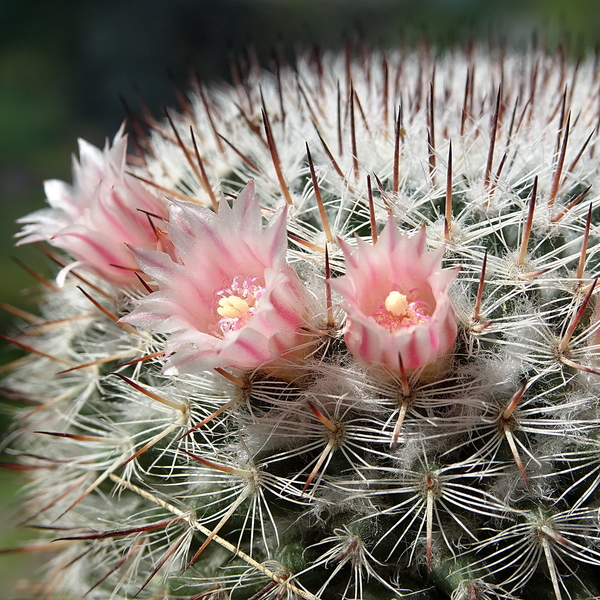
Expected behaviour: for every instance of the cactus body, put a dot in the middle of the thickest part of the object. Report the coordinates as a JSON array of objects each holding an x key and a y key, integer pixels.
[{"x": 372, "y": 372}]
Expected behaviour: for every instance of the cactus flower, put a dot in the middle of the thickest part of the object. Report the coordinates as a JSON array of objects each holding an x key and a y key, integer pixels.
[
  {"x": 231, "y": 300},
  {"x": 395, "y": 295},
  {"x": 92, "y": 219}
]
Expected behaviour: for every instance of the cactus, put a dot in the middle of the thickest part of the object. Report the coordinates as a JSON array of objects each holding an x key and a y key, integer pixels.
[{"x": 329, "y": 332}]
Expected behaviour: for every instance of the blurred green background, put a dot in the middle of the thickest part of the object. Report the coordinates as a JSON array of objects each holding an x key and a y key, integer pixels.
[{"x": 64, "y": 63}]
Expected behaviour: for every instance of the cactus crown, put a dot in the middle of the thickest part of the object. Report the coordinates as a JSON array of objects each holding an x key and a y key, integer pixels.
[{"x": 351, "y": 349}]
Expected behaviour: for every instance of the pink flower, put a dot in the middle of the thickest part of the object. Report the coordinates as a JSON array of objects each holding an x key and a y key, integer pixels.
[
  {"x": 395, "y": 295},
  {"x": 94, "y": 218},
  {"x": 231, "y": 300}
]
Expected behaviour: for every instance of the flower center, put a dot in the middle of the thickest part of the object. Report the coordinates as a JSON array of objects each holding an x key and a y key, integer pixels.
[
  {"x": 398, "y": 311},
  {"x": 233, "y": 307},
  {"x": 238, "y": 303}
]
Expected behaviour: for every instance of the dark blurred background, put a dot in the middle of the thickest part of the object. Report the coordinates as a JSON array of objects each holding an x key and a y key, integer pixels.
[{"x": 64, "y": 64}]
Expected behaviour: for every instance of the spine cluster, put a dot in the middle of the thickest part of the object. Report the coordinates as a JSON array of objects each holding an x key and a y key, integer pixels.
[{"x": 331, "y": 331}]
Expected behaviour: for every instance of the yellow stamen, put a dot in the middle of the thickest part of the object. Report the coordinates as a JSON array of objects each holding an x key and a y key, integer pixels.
[
  {"x": 232, "y": 307},
  {"x": 396, "y": 303}
]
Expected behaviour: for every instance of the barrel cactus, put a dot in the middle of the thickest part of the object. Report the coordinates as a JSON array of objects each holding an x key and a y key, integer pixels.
[{"x": 330, "y": 331}]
